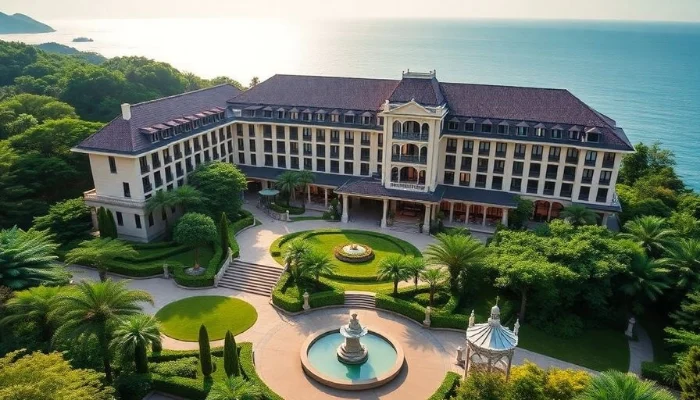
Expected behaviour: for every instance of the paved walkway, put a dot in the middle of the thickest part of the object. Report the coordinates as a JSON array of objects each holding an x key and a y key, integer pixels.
[{"x": 640, "y": 350}]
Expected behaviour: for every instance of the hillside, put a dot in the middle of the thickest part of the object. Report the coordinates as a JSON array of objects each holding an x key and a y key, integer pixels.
[
  {"x": 20, "y": 23},
  {"x": 56, "y": 48}
]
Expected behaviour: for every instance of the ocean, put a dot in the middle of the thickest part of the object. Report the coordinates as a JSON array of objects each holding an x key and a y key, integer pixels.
[{"x": 646, "y": 76}]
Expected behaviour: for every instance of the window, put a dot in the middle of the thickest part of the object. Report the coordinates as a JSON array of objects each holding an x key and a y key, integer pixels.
[
  {"x": 532, "y": 185},
  {"x": 554, "y": 154},
  {"x": 349, "y": 119},
  {"x": 484, "y": 148},
  {"x": 534, "y": 170},
  {"x": 364, "y": 169},
  {"x": 321, "y": 165},
  {"x": 365, "y": 138},
  {"x": 516, "y": 184},
  {"x": 120, "y": 219},
  {"x": 503, "y": 129},
  {"x": 335, "y": 136},
  {"x": 466, "y": 164},
  {"x": 349, "y": 154},
  {"x": 591, "y": 157},
  {"x": 335, "y": 118},
  {"x": 451, "y": 145},
  {"x": 522, "y": 131},
  {"x": 608, "y": 160},
  {"x": 566, "y": 189},
  {"x": 294, "y": 115},
  {"x": 572, "y": 156},
  {"x": 602, "y": 195},
  {"x": 281, "y": 162},
  {"x": 518, "y": 167},
  {"x": 155, "y": 160},
  {"x": 268, "y": 160},
  {"x": 150, "y": 219},
  {"x": 335, "y": 151},
  {"x": 295, "y": 163},
  {"x": 499, "y": 166},
  {"x": 364, "y": 154},
  {"x": 540, "y": 132},
  {"x": 537, "y": 152},
  {"x": 605, "y": 177},
  {"x": 482, "y": 165},
  {"x": 253, "y": 159},
  {"x": 587, "y": 176},
  {"x": 519, "y": 151},
  {"x": 241, "y": 160},
  {"x": 449, "y": 178},
  {"x": 486, "y": 128},
  {"x": 143, "y": 162},
  {"x": 569, "y": 173},
  {"x": 137, "y": 220},
  {"x": 366, "y": 120},
  {"x": 380, "y": 139},
  {"x": 584, "y": 193},
  {"x": 158, "y": 179},
  {"x": 468, "y": 147},
  {"x": 321, "y": 117},
  {"x": 469, "y": 127},
  {"x": 552, "y": 170},
  {"x": 574, "y": 135},
  {"x": 307, "y": 149},
  {"x": 306, "y": 116},
  {"x": 320, "y": 135},
  {"x": 112, "y": 165},
  {"x": 306, "y": 134},
  {"x": 450, "y": 161},
  {"x": 335, "y": 166},
  {"x": 464, "y": 179},
  {"x": 349, "y": 168},
  {"x": 556, "y": 134},
  {"x": 480, "y": 181},
  {"x": 349, "y": 137},
  {"x": 308, "y": 164},
  {"x": 549, "y": 188},
  {"x": 280, "y": 114},
  {"x": 497, "y": 183},
  {"x": 501, "y": 149},
  {"x": 127, "y": 190},
  {"x": 452, "y": 125}
]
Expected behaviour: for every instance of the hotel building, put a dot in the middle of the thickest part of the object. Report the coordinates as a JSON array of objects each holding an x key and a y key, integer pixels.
[{"x": 409, "y": 148}]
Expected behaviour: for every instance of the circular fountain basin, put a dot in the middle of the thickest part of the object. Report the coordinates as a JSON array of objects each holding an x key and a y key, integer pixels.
[{"x": 319, "y": 360}]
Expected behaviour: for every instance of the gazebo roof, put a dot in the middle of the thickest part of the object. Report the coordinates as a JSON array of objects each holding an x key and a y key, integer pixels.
[
  {"x": 269, "y": 192},
  {"x": 492, "y": 336}
]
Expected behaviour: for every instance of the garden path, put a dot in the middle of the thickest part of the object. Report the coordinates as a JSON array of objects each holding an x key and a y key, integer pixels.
[{"x": 640, "y": 350}]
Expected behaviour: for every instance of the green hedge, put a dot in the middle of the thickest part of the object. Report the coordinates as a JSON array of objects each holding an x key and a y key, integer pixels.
[
  {"x": 283, "y": 209},
  {"x": 184, "y": 387},
  {"x": 330, "y": 298},
  {"x": 403, "y": 307},
  {"x": 184, "y": 367},
  {"x": 248, "y": 369},
  {"x": 171, "y": 355},
  {"x": 453, "y": 321},
  {"x": 448, "y": 387},
  {"x": 204, "y": 280},
  {"x": 283, "y": 300}
]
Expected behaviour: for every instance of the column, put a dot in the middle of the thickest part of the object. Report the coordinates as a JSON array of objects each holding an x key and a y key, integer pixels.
[
  {"x": 483, "y": 220},
  {"x": 549, "y": 213},
  {"x": 346, "y": 199},
  {"x": 325, "y": 198},
  {"x": 504, "y": 218},
  {"x": 466, "y": 214},
  {"x": 452, "y": 210},
  {"x": 604, "y": 222},
  {"x": 308, "y": 194},
  {"x": 426, "y": 219},
  {"x": 384, "y": 212}
]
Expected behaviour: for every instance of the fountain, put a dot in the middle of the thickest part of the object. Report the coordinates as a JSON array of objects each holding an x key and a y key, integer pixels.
[
  {"x": 352, "y": 351},
  {"x": 338, "y": 359}
]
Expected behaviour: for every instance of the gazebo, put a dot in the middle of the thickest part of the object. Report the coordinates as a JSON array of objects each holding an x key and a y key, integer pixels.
[
  {"x": 267, "y": 196},
  {"x": 490, "y": 346}
]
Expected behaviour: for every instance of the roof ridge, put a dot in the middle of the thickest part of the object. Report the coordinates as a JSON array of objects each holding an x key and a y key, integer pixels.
[
  {"x": 503, "y": 86},
  {"x": 591, "y": 109},
  {"x": 184, "y": 94},
  {"x": 336, "y": 77}
]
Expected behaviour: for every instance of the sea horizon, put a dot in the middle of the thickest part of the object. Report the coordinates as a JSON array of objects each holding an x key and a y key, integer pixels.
[{"x": 643, "y": 74}]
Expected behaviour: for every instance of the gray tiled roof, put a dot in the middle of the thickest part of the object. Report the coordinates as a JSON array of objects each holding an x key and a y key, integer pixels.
[
  {"x": 475, "y": 195},
  {"x": 270, "y": 173},
  {"x": 319, "y": 91},
  {"x": 123, "y": 136},
  {"x": 374, "y": 188},
  {"x": 424, "y": 91}
]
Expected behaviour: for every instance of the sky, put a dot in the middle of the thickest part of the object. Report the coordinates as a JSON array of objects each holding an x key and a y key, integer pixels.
[{"x": 637, "y": 10}]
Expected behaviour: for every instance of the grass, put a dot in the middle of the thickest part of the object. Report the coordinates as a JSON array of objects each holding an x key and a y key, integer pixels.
[
  {"x": 181, "y": 319},
  {"x": 325, "y": 242},
  {"x": 306, "y": 218},
  {"x": 597, "y": 349}
]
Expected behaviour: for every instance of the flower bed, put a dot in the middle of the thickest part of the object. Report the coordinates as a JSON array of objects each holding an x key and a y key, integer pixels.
[{"x": 343, "y": 253}]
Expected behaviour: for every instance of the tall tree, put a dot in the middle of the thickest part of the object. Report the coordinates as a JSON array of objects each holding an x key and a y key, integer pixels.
[
  {"x": 187, "y": 197},
  {"x": 650, "y": 232},
  {"x": 578, "y": 215},
  {"x": 235, "y": 388},
  {"x": 294, "y": 252},
  {"x": 221, "y": 185},
  {"x": 40, "y": 376},
  {"x": 224, "y": 236},
  {"x": 134, "y": 335},
  {"x": 416, "y": 265},
  {"x": 287, "y": 183},
  {"x": 459, "y": 253},
  {"x": 305, "y": 178},
  {"x": 205, "y": 352},
  {"x": 35, "y": 305},
  {"x": 27, "y": 259},
  {"x": 94, "y": 309},
  {"x": 195, "y": 230},
  {"x": 67, "y": 220},
  {"x": 231, "y": 355},
  {"x": 99, "y": 252},
  {"x": 394, "y": 267},
  {"x": 688, "y": 317},
  {"x": 689, "y": 379},
  {"x": 684, "y": 262},
  {"x": 619, "y": 385}
]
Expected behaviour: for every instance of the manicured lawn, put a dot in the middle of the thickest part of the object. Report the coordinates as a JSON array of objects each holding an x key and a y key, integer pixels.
[
  {"x": 306, "y": 218},
  {"x": 181, "y": 319},
  {"x": 382, "y": 245},
  {"x": 597, "y": 349}
]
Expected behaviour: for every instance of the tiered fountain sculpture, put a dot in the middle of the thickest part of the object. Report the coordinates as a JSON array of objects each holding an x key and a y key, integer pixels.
[{"x": 352, "y": 351}]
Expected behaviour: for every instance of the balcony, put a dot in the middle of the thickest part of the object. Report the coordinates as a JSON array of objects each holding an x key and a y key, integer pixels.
[
  {"x": 465, "y": 167},
  {"x": 608, "y": 163},
  {"x": 414, "y": 136},
  {"x": 409, "y": 159},
  {"x": 349, "y": 140},
  {"x": 364, "y": 142},
  {"x": 407, "y": 186},
  {"x": 572, "y": 160},
  {"x": 335, "y": 155},
  {"x": 294, "y": 150},
  {"x": 91, "y": 196}
]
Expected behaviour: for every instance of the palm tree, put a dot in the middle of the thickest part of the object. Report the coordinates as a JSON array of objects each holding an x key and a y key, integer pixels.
[
  {"x": 616, "y": 385},
  {"x": 186, "y": 196},
  {"x": 578, "y": 215},
  {"x": 316, "y": 264},
  {"x": 460, "y": 254},
  {"x": 646, "y": 278},
  {"x": 35, "y": 305},
  {"x": 162, "y": 200},
  {"x": 416, "y": 265},
  {"x": 133, "y": 336},
  {"x": 94, "y": 309},
  {"x": 99, "y": 252},
  {"x": 434, "y": 277},
  {"x": 287, "y": 183},
  {"x": 294, "y": 252},
  {"x": 650, "y": 232},
  {"x": 235, "y": 388},
  {"x": 684, "y": 262},
  {"x": 305, "y": 179},
  {"x": 394, "y": 267},
  {"x": 27, "y": 259}
]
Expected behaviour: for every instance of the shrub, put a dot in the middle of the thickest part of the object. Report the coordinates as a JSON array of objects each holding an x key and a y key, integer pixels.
[
  {"x": 453, "y": 321},
  {"x": 447, "y": 388},
  {"x": 169, "y": 355},
  {"x": 133, "y": 386},
  {"x": 183, "y": 387},
  {"x": 689, "y": 379},
  {"x": 403, "y": 307},
  {"x": 483, "y": 386},
  {"x": 248, "y": 370},
  {"x": 440, "y": 298},
  {"x": 231, "y": 356},
  {"x": 329, "y": 298},
  {"x": 205, "y": 352},
  {"x": 344, "y": 256},
  {"x": 183, "y": 367},
  {"x": 565, "y": 384}
]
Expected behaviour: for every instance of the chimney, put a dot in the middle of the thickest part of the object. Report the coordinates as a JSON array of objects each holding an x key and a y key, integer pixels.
[{"x": 126, "y": 111}]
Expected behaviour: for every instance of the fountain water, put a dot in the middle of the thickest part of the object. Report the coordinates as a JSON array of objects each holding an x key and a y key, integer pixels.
[{"x": 352, "y": 351}]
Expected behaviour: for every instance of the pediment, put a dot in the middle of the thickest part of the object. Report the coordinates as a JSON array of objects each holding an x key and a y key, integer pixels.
[{"x": 411, "y": 108}]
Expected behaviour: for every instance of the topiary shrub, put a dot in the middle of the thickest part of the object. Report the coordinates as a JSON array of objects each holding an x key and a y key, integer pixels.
[
  {"x": 205, "y": 352},
  {"x": 184, "y": 367}
]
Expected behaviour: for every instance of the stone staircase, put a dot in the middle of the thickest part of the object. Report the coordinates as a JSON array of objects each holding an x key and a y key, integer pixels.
[
  {"x": 359, "y": 299},
  {"x": 250, "y": 277}
]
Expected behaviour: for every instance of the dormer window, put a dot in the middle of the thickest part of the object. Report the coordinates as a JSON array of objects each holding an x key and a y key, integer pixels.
[
  {"x": 366, "y": 120},
  {"x": 486, "y": 127},
  {"x": 335, "y": 118},
  {"x": 280, "y": 114},
  {"x": 452, "y": 125},
  {"x": 188, "y": 127},
  {"x": 320, "y": 117},
  {"x": 503, "y": 129},
  {"x": 267, "y": 113},
  {"x": 349, "y": 119},
  {"x": 294, "y": 115},
  {"x": 574, "y": 135},
  {"x": 522, "y": 131},
  {"x": 539, "y": 132},
  {"x": 469, "y": 127},
  {"x": 593, "y": 137},
  {"x": 154, "y": 137},
  {"x": 306, "y": 116},
  {"x": 556, "y": 133}
]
